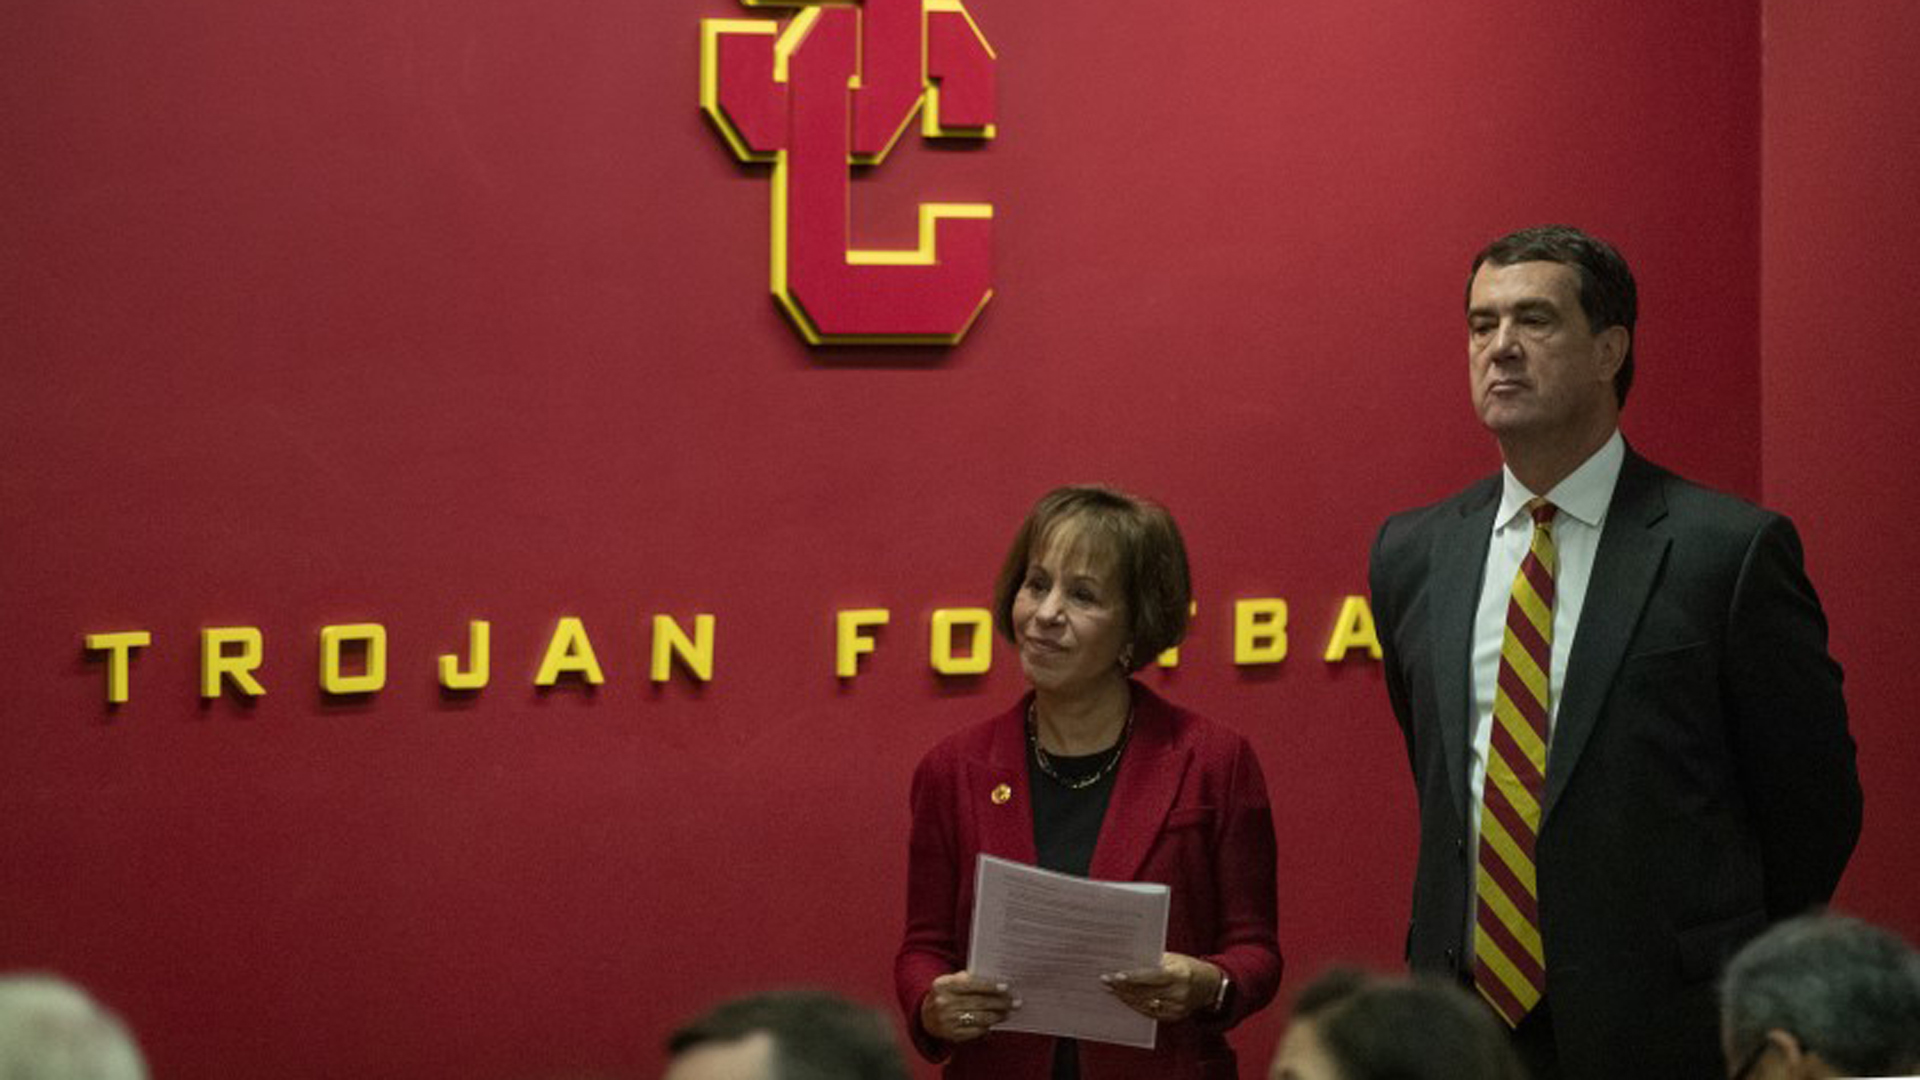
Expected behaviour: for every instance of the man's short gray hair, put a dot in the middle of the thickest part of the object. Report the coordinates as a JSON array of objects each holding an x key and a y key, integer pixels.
[
  {"x": 1846, "y": 990},
  {"x": 51, "y": 1030},
  {"x": 817, "y": 1035}
]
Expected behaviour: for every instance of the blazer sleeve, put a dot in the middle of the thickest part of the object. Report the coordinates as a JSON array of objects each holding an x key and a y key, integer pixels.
[
  {"x": 1248, "y": 947},
  {"x": 1383, "y": 600},
  {"x": 930, "y": 947},
  {"x": 1788, "y": 725}
]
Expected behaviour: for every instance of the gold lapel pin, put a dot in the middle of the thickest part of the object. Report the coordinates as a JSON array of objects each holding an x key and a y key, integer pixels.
[{"x": 1001, "y": 794}]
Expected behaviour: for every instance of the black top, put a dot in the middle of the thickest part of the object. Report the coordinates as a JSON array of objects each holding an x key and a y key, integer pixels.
[
  {"x": 1066, "y": 821},
  {"x": 1066, "y": 825}
]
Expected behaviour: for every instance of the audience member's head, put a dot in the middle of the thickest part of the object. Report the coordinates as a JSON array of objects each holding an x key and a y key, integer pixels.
[
  {"x": 1351, "y": 1026},
  {"x": 787, "y": 1035},
  {"x": 1822, "y": 995},
  {"x": 51, "y": 1030}
]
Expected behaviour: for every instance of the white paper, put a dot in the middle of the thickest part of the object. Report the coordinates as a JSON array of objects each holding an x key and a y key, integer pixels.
[{"x": 1051, "y": 936}]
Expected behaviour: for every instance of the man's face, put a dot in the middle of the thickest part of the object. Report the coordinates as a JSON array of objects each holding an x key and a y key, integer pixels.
[
  {"x": 1538, "y": 369},
  {"x": 750, "y": 1058}
]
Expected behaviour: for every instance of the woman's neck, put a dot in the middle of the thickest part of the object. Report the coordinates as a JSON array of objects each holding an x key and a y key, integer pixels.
[{"x": 1086, "y": 722}]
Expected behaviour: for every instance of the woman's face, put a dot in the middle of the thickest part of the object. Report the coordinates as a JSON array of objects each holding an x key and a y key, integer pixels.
[{"x": 1069, "y": 617}]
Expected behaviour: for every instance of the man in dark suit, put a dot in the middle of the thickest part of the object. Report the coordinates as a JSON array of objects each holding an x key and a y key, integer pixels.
[{"x": 1628, "y": 741}]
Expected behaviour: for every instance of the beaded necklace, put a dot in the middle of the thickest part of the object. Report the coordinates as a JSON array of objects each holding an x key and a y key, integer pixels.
[{"x": 1041, "y": 758}]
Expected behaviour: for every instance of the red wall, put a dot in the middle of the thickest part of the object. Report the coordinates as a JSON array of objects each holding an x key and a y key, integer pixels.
[
  {"x": 439, "y": 311},
  {"x": 1839, "y": 385}
]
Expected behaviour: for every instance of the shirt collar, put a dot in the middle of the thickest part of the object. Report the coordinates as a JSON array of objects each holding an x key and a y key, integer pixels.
[{"x": 1583, "y": 495}]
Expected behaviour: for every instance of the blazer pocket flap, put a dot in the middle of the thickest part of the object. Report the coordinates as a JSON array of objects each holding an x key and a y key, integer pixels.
[
  {"x": 1190, "y": 817},
  {"x": 1685, "y": 653}
]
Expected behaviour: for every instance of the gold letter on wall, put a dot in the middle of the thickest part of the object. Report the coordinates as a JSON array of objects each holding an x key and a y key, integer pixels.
[
  {"x": 670, "y": 641},
  {"x": 569, "y": 652},
  {"x": 118, "y": 647},
  {"x": 218, "y": 665},
  {"x": 479, "y": 635},
  {"x": 849, "y": 644},
  {"x": 1353, "y": 629},
  {"x": 980, "y": 622},
  {"x": 1259, "y": 631},
  {"x": 333, "y": 638}
]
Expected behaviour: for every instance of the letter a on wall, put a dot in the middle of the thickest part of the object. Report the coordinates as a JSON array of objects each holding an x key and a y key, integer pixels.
[{"x": 833, "y": 87}]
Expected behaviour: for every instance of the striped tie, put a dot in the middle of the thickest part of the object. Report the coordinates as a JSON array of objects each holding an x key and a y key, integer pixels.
[{"x": 1509, "y": 966}]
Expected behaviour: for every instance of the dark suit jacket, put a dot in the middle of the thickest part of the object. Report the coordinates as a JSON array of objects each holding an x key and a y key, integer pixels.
[
  {"x": 1700, "y": 778},
  {"x": 1189, "y": 810}
]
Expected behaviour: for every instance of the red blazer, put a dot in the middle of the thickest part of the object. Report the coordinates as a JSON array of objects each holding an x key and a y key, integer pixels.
[{"x": 1189, "y": 810}]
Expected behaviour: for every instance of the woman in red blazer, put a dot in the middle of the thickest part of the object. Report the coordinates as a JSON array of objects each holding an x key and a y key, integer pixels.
[{"x": 1094, "y": 774}]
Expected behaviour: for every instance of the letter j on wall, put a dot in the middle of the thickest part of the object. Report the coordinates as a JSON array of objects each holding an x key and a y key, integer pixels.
[{"x": 836, "y": 86}]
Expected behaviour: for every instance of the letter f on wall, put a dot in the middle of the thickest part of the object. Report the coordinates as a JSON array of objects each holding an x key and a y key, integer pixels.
[{"x": 835, "y": 87}]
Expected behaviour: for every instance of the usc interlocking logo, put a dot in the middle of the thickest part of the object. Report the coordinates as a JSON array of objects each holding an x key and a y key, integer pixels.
[{"x": 836, "y": 86}]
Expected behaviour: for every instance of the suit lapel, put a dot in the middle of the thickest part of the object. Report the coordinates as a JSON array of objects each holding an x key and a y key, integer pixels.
[
  {"x": 1143, "y": 791},
  {"x": 1459, "y": 561},
  {"x": 1624, "y": 568},
  {"x": 1005, "y": 826}
]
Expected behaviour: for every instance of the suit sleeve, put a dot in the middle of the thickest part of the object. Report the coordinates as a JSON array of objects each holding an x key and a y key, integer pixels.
[
  {"x": 1789, "y": 725},
  {"x": 1386, "y": 626},
  {"x": 931, "y": 945},
  {"x": 1248, "y": 948}
]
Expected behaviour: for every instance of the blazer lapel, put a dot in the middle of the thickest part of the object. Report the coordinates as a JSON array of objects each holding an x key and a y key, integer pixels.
[
  {"x": 1004, "y": 824},
  {"x": 1459, "y": 561},
  {"x": 1143, "y": 791},
  {"x": 1624, "y": 568}
]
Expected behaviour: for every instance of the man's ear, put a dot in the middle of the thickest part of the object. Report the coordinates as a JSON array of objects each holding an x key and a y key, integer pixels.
[
  {"x": 1612, "y": 343},
  {"x": 1799, "y": 1061}
]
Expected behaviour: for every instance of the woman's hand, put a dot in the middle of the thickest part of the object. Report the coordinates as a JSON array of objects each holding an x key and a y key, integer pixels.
[
  {"x": 1178, "y": 988},
  {"x": 961, "y": 1007}
]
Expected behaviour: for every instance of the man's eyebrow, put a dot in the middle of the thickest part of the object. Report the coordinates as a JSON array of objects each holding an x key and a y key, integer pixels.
[{"x": 1525, "y": 304}]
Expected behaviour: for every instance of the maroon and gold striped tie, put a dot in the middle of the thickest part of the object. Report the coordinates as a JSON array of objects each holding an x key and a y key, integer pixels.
[{"x": 1509, "y": 965}]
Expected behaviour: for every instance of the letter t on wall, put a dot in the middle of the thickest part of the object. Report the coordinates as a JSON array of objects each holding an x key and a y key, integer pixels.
[{"x": 118, "y": 647}]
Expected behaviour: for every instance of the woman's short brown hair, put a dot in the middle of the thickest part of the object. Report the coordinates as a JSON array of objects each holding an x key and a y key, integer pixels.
[{"x": 1149, "y": 560}]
